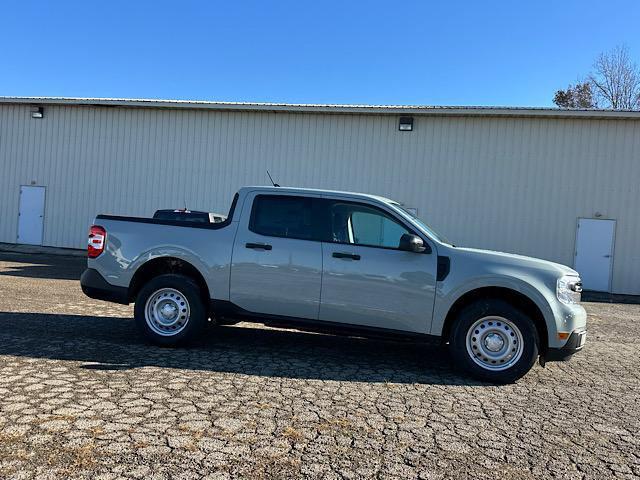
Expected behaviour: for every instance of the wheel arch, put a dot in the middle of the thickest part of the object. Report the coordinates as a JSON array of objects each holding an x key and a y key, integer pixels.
[
  {"x": 163, "y": 265},
  {"x": 514, "y": 297}
]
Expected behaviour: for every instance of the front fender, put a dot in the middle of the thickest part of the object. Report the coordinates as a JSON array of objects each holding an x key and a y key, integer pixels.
[{"x": 448, "y": 294}]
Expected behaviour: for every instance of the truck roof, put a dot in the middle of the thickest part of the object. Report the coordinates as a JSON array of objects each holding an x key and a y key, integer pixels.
[{"x": 318, "y": 191}]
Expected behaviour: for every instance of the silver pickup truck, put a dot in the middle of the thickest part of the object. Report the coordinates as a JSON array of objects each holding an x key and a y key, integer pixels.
[{"x": 340, "y": 262}]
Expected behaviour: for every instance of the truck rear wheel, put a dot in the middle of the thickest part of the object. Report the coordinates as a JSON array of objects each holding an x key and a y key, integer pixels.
[
  {"x": 494, "y": 341},
  {"x": 169, "y": 310}
]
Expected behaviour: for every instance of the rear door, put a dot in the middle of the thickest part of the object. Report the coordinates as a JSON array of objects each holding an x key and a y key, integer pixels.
[
  {"x": 277, "y": 257},
  {"x": 367, "y": 280}
]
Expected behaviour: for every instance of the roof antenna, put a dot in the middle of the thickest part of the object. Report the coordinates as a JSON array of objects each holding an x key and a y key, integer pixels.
[{"x": 272, "y": 182}]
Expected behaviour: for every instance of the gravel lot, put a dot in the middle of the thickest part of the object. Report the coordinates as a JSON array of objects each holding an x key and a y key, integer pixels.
[{"x": 82, "y": 396}]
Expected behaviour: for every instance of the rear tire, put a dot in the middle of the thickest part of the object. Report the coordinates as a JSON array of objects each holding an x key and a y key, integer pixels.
[
  {"x": 170, "y": 311},
  {"x": 494, "y": 341}
]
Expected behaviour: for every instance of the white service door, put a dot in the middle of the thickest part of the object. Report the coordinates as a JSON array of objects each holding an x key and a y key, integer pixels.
[
  {"x": 594, "y": 253},
  {"x": 31, "y": 216}
]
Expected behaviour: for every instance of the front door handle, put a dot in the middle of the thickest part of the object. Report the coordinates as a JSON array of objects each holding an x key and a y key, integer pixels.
[
  {"x": 259, "y": 246},
  {"x": 352, "y": 256}
]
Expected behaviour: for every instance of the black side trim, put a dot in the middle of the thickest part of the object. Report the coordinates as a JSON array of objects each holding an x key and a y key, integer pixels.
[
  {"x": 229, "y": 310},
  {"x": 444, "y": 267},
  {"x": 156, "y": 221},
  {"x": 95, "y": 286},
  {"x": 175, "y": 223},
  {"x": 564, "y": 353}
]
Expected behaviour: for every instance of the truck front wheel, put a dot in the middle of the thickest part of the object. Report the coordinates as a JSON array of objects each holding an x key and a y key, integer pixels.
[
  {"x": 494, "y": 341},
  {"x": 169, "y": 310}
]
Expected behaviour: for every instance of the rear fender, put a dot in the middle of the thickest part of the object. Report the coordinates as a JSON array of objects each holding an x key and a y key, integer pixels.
[{"x": 168, "y": 251}]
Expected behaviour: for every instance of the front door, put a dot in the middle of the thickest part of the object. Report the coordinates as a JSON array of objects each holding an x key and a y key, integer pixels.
[
  {"x": 277, "y": 260},
  {"x": 594, "y": 253},
  {"x": 31, "y": 215},
  {"x": 367, "y": 280}
]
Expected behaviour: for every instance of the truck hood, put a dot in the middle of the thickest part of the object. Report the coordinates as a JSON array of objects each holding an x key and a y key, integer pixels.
[{"x": 515, "y": 261}]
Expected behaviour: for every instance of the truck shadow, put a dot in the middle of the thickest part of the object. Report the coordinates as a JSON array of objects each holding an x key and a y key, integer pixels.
[
  {"x": 113, "y": 344},
  {"x": 43, "y": 266}
]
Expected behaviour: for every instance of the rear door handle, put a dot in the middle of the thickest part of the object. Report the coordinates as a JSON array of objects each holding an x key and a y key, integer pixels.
[
  {"x": 352, "y": 256},
  {"x": 259, "y": 246}
]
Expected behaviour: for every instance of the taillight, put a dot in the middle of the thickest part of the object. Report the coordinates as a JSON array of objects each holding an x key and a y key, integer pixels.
[{"x": 97, "y": 241}]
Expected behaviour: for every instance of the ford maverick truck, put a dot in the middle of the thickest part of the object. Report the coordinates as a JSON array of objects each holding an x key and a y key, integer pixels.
[{"x": 341, "y": 262}]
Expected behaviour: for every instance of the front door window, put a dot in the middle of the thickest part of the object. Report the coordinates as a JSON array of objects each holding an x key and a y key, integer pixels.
[{"x": 361, "y": 225}]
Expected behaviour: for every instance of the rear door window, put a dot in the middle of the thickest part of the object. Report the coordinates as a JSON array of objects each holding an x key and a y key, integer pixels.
[{"x": 284, "y": 216}]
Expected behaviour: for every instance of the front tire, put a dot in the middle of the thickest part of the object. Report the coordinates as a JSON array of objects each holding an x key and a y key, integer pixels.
[
  {"x": 494, "y": 341},
  {"x": 169, "y": 310}
]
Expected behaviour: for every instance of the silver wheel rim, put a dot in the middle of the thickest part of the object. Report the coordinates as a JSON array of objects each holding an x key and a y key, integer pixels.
[
  {"x": 167, "y": 312},
  {"x": 494, "y": 343}
]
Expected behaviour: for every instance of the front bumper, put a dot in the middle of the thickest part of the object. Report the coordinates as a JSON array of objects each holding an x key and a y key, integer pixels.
[
  {"x": 95, "y": 286},
  {"x": 574, "y": 344}
]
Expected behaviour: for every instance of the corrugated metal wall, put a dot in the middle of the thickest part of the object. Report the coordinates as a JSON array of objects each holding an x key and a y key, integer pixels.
[{"x": 511, "y": 184}]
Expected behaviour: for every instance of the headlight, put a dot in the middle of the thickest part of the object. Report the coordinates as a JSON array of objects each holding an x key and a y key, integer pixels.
[{"x": 569, "y": 289}]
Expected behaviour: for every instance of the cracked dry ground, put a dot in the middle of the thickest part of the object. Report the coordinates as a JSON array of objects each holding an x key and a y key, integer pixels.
[{"x": 81, "y": 396}]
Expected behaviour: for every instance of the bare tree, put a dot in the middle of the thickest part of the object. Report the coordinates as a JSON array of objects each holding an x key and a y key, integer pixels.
[{"x": 616, "y": 80}]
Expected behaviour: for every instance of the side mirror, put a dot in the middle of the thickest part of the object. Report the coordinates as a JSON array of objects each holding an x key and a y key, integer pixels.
[{"x": 412, "y": 243}]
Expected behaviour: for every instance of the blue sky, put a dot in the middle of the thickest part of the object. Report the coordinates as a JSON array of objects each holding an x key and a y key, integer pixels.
[{"x": 393, "y": 52}]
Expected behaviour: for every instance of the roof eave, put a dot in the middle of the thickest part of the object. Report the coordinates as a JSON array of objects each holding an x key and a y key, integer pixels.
[{"x": 329, "y": 108}]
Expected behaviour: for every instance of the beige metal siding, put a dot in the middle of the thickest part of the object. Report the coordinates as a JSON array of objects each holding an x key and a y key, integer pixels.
[{"x": 512, "y": 184}]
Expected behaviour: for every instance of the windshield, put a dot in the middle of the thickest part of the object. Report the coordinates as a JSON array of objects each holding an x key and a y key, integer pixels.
[{"x": 423, "y": 225}]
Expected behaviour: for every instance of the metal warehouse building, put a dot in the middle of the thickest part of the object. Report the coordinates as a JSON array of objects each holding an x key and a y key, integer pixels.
[{"x": 556, "y": 184}]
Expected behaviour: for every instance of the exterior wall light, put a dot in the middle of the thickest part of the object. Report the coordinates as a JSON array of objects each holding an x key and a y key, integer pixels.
[
  {"x": 406, "y": 124},
  {"x": 37, "y": 112}
]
